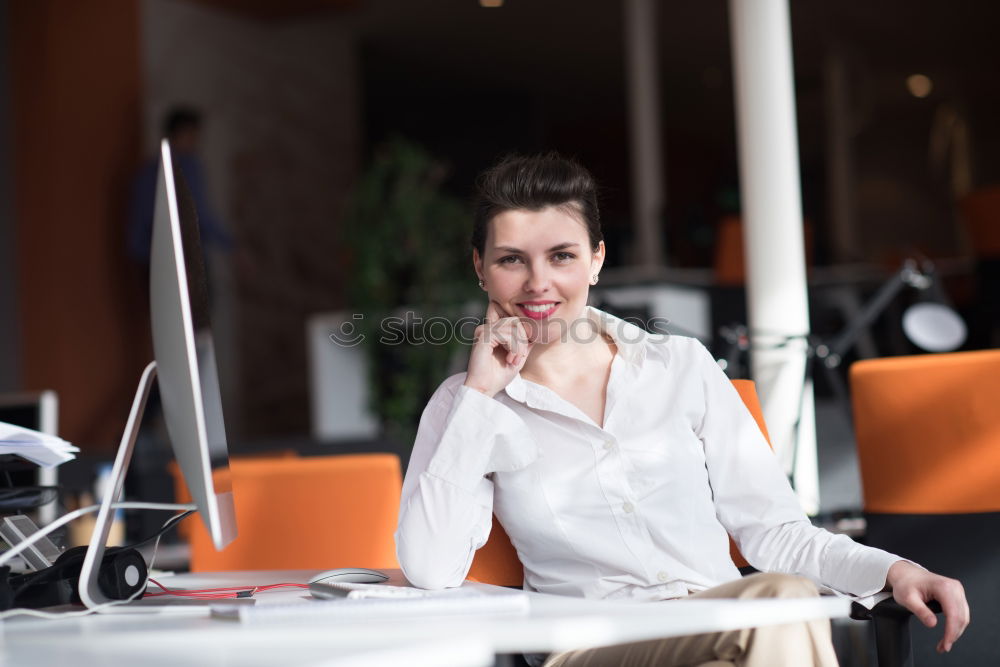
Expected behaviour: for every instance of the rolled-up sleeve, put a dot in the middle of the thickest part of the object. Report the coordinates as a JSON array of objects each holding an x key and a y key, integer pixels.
[
  {"x": 756, "y": 504},
  {"x": 447, "y": 501}
]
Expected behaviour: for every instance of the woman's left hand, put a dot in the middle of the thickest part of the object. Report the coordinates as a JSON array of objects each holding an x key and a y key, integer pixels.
[{"x": 914, "y": 586}]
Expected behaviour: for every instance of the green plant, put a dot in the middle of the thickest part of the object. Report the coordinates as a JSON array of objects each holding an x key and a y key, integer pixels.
[{"x": 409, "y": 250}]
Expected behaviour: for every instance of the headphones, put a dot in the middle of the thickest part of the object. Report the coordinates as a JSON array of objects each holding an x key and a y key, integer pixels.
[{"x": 122, "y": 574}]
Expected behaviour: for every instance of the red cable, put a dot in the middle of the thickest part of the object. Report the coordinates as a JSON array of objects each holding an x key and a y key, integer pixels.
[{"x": 218, "y": 593}]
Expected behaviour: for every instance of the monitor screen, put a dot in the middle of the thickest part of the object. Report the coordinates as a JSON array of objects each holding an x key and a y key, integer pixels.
[{"x": 185, "y": 352}]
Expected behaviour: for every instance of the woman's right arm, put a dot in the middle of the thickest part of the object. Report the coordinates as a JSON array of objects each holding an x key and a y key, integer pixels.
[
  {"x": 446, "y": 508},
  {"x": 464, "y": 436}
]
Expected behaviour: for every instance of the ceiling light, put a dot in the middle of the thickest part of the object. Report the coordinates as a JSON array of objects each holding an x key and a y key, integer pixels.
[{"x": 919, "y": 85}]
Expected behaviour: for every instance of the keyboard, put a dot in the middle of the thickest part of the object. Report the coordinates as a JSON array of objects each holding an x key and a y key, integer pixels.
[
  {"x": 454, "y": 601},
  {"x": 329, "y": 590}
]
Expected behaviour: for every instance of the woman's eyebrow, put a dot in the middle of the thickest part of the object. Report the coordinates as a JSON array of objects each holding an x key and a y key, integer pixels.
[{"x": 561, "y": 246}]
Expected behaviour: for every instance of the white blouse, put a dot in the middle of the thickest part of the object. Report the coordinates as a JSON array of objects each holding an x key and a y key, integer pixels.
[{"x": 639, "y": 509}]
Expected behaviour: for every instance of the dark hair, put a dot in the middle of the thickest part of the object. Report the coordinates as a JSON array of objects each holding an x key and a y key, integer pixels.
[
  {"x": 180, "y": 118},
  {"x": 531, "y": 183}
]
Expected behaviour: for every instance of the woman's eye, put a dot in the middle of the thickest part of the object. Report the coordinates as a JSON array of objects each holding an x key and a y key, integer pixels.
[
  {"x": 563, "y": 256},
  {"x": 509, "y": 259}
]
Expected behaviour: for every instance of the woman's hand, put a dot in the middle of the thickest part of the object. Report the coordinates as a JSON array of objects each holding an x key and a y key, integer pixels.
[
  {"x": 913, "y": 587},
  {"x": 498, "y": 353}
]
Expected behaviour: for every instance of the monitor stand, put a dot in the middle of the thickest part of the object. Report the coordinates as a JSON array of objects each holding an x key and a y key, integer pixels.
[{"x": 90, "y": 593}]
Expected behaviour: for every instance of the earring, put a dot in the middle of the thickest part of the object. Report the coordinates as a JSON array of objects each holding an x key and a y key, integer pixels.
[
  {"x": 482, "y": 284},
  {"x": 593, "y": 281}
]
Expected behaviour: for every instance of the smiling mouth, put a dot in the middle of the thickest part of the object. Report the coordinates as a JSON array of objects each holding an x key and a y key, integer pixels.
[{"x": 538, "y": 311}]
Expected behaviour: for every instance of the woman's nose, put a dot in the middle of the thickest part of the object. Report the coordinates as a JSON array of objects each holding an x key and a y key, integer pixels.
[{"x": 538, "y": 281}]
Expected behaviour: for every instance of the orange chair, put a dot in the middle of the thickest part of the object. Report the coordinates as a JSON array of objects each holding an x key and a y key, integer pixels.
[
  {"x": 497, "y": 563},
  {"x": 182, "y": 495},
  {"x": 308, "y": 513},
  {"x": 729, "y": 260},
  {"x": 748, "y": 392},
  {"x": 928, "y": 438},
  {"x": 928, "y": 432}
]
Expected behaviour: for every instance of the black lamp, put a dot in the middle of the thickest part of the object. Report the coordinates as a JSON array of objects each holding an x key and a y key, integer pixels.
[{"x": 930, "y": 324}]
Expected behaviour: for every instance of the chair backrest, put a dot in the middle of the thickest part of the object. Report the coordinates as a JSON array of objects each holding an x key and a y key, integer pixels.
[
  {"x": 182, "y": 495},
  {"x": 928, "y": 441},
  {"x": 927, "y": 432},
  {"x": 314, "y": 512},
  {"x": 748, "y": 392},
  {"x": 729, "y": 263},
  {"x": 497, "y": 562}
]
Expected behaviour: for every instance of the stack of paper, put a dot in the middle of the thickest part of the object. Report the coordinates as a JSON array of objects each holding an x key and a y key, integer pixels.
[{"x": 46, "y": 450}]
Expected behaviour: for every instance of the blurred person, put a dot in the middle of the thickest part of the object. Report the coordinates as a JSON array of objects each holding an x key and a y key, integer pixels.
[
  {"x": 182, "y": 127},
  {"x": 618, "y": 461}
]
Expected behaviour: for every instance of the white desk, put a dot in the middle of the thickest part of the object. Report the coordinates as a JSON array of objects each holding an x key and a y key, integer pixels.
[{"x": 553, "y": 623}]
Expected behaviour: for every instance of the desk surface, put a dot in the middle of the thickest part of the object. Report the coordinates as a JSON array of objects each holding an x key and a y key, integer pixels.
[{"x": 553, "y": 623}]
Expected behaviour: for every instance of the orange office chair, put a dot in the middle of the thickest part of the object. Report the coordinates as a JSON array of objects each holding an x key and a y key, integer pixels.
[
  {"x": 928, "y": 438},
  {"x": 497, "y": 563},
  {"x": 182, "y": 495},
  {"x": 315, "y": 512},
  {"x": 729, "y": 260}
]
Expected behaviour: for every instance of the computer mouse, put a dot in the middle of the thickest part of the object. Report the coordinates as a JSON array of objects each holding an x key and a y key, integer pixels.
[{"x": 350, "y": 575}]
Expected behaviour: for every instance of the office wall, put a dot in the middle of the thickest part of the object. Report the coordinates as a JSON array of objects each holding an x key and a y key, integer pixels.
[
  {"x": 280, "y": 145},
  {"x": 9, "y": 374},
  {"x": 74, "y": 81}
]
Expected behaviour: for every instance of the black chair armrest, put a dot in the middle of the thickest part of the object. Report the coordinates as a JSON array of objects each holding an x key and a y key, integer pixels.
[
  {"x": 891, "y": 622},
  {"x": 888, "y": 607}
]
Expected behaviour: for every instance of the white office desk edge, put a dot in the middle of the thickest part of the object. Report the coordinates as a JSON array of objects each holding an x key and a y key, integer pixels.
[{"x": 554, "y": 623}]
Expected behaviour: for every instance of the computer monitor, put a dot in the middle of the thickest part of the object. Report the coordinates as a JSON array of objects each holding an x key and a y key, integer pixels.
[
  {"x": 185, "y": 353},
  {"x": 188, "y": 378}
]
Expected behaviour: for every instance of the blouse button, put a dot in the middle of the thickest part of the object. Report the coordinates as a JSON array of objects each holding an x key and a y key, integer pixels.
[
  {"x": 609, "y": 445},
  {"x": 662, "y": 576},
  {"x": 628, "y": 507}
]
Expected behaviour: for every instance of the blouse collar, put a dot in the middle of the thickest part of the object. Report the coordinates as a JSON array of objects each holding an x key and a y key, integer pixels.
[{"x": 630, "y": 340}]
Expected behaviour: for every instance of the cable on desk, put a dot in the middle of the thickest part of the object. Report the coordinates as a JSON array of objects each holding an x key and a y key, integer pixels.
[
  {"x": 75, "y": 514},
  {"x": 52, "y": 615},
  {"x": 207, "y": 594},
  {"x": 86, "y": 612},
  {"x": 218, "y": 593},
  {"x": 27, "y": 497},
  {"x": 170, "y": 523}
]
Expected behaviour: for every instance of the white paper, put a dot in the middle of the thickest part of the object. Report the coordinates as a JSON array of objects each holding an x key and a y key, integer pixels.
[{"x": 46, "y": 450}]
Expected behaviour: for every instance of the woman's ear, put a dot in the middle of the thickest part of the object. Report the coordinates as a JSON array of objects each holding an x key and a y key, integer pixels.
[
  {"x": 597, "y": 261},
  {"x": 477, "y": 263}
]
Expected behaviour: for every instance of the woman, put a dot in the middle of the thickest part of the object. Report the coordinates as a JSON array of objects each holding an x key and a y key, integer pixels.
[{"x": 617, "y": 461}]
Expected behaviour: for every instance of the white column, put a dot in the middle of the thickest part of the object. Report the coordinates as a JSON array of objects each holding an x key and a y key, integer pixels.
[
  {"x": 772, "y": 211},
  {"x": 642, "y": 76}
]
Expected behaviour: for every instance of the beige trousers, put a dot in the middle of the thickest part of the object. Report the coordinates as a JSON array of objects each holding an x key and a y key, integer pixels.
[{"x": 793, "y": 645}]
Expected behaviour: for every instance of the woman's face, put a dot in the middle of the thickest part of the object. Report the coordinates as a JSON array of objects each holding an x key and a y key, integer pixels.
[{"x": 538, "y": 266}]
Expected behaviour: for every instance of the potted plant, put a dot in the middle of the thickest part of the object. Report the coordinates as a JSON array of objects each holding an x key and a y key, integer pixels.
[{"x": 410, "y": 267}]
